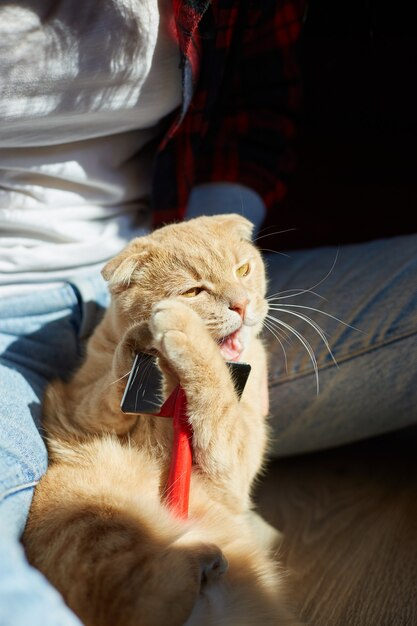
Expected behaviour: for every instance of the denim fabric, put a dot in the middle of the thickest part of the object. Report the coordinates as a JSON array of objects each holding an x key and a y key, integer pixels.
[
  {"x": 371, "y": 286},
  {"x": 373, "y": 389},
  {"x": 40, "y": 337}
]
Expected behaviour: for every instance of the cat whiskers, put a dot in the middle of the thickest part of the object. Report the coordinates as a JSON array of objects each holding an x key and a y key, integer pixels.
[
  {"x": 121, "y": 378},
  {"x": 273, "y": 323},
  {"x": 274, "y": 252},
  {"x": 275, "y": 331},
  {"x": 276, "y": 323},
  {"x": 271, "y": 234}
]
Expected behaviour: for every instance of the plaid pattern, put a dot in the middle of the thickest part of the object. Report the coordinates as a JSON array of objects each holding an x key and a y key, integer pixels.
[{"x": 241, "y": 91}]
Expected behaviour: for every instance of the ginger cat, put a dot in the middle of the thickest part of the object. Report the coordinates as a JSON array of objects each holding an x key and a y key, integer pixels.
[{"x": 194, "y": 293}]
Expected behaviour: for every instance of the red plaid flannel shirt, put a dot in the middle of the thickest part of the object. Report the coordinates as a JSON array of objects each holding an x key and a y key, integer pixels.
[{"x": 241, "y": 88}]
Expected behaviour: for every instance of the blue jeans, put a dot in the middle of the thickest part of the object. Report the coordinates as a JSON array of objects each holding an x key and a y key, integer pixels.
[
  {"x": 372, "y": 286},
  {"x": 41, "y": 336}
]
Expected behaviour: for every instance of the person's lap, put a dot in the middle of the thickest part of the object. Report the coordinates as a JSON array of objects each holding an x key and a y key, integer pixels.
[
  {"x": 373, "y": 390},
  {"x": 373, "y": 288},
  {"x": 39, "y": 339}
]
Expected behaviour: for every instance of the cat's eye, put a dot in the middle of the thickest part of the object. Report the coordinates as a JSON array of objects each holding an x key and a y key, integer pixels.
[
  {"x": 243, "y": 270},
  {"x": 191, "y": 293}
]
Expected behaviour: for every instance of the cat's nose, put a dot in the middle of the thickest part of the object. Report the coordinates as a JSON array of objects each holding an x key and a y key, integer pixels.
[{"x": 240, "y": 307}]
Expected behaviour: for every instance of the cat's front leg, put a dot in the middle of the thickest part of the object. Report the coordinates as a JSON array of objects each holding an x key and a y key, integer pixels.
[
  {"x": 222, "y": 437},
  {"x": 181, "y": 337},
  {"x": 137, "y": 338},
  {"x": 90, "y": 401}
]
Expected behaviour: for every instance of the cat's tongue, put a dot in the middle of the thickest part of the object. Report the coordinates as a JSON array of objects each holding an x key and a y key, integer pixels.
[{"x": 230, "y": 347}]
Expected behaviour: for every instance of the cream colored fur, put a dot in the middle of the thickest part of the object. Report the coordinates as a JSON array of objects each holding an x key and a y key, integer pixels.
[{"x": 98, "y": 527}]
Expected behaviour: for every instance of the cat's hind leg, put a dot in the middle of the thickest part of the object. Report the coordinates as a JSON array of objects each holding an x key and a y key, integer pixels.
[{"x": 99, "y": 533}]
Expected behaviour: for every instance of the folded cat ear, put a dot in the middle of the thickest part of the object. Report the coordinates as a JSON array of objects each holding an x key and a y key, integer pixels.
[
  {"x": 119, "y": 271},
  {"x": 237, "y": 223}
]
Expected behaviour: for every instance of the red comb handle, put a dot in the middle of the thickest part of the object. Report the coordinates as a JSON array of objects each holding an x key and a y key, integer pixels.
[{"x": 178, "y": 485}]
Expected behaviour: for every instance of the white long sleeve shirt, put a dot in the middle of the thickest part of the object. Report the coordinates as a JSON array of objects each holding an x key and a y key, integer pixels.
[{"x": 83, "y": 87}]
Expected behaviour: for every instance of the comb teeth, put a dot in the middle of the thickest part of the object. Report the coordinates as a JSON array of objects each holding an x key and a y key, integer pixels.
[{"x": 142, "y": 394}]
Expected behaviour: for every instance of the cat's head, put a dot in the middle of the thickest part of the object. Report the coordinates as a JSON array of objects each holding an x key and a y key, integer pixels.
[{"x": 209, "y": 263}]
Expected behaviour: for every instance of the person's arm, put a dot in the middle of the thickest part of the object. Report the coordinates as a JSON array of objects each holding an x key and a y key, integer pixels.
[
  {"x": 252, "y": 127},
  {"x": 242, "y": 82},
  {"x": 214, "y": 198}
]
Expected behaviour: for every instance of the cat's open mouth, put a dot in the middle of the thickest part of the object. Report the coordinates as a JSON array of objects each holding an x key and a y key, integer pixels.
[{"x": 231, "y": 346}]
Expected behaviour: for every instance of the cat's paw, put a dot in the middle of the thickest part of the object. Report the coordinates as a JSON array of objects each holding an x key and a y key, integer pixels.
[
  {"x": 212, "y": 563},
  {"x": 173, "y": 324},
  {"x": 136, "y": 339},
  {"x": 209, "y": 559}
]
